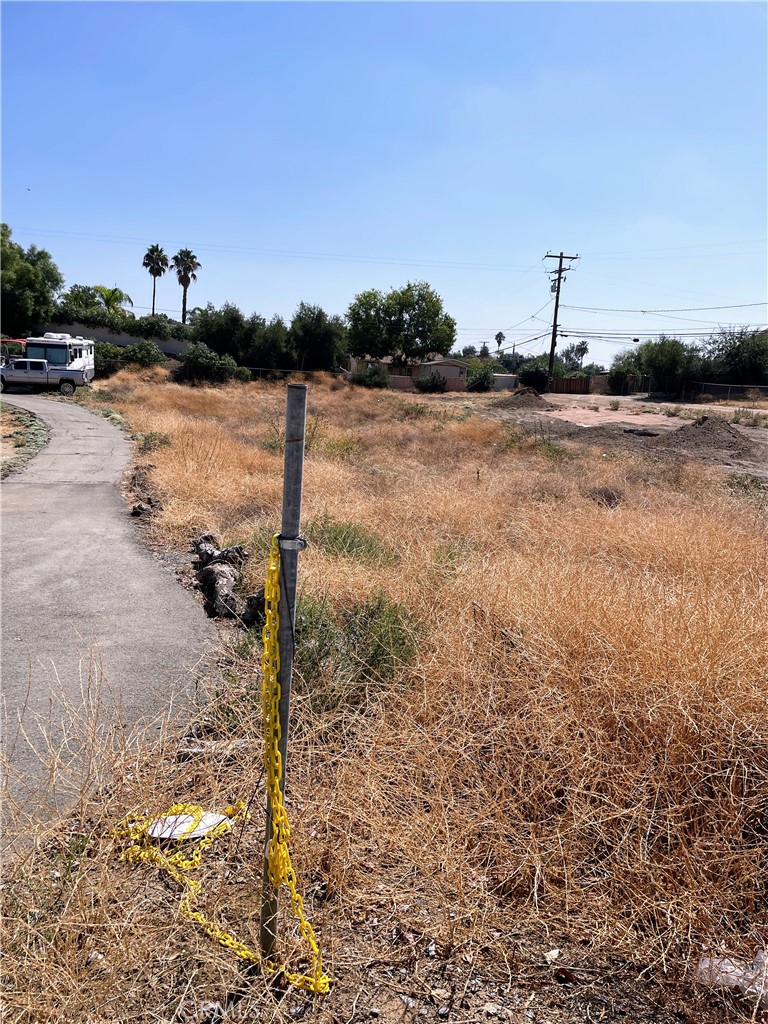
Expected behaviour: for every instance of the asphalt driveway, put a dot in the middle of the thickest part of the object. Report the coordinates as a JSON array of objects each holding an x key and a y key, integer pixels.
[{"x": 93, "y": 626}]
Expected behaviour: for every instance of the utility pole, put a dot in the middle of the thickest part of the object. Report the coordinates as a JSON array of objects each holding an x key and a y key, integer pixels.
[{"x": 559, "y": 272}]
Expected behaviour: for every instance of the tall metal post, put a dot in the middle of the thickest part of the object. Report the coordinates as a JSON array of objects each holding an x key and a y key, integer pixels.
[{"x": 293, "y": 474}]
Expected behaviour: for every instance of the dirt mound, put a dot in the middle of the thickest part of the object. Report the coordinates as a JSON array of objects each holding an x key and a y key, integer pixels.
[
  {"x": 706, "y": 434},
  {"x": 524, "y": 398},
  {"x": 604, "y": 433}
]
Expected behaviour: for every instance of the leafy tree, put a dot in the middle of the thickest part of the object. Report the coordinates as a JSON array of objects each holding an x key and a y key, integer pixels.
[
  {"x": 317, "y": 339},
  {"x": 569, "y": 358},
  {"x": 625, "y": 366},
  {"x": 29, "y": 281},
  {"x": 499, "y": 339},
  {"x": 185, "y": 263},
  {"x": 408, "y": 324},
  {"x": 276, "y": 350},
  {"x": 534, "y": 372},
  {"x": 572, "y": 356},
  {"x": 156, "y": 262},
  {"x": 113, "y": 299},
  {"x": 249, "y": 340},
  {"x": 485, "y": 352},
  {"x": 512, "y": 361},
  {"x": 669, "y": 363},
  {"x": 143, "y": 353},
  {"x": 738, "y": 355},
  {"x": 468, "y": 352},
  {"x": 80, "y": 298}
]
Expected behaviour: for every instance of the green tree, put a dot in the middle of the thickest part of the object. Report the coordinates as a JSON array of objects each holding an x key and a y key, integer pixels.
[
  {"x": 318, "y": 340},
  {"x": 626, "y": 367},
  {"x": 409, "y": 324},
  {"x": 534, "y": 372},
  {"x": 185, "y": 263},
  {"x": 29, "y": 282},
  {"x": 499, "y": 339},
  {"x": 80, "y": 298},
  {"x": 156, "y": 262},
  {"x": 738, "y": 355},
  {"x": 485, "y": 352},
  {"x": 669, "y": 363},
  {"x": 113, "y": 299}
]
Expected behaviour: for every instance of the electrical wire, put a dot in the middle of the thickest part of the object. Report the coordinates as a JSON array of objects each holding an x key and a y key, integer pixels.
[
  {"x": 672, "y": 309},
  {"x": 291, "y": 254}
]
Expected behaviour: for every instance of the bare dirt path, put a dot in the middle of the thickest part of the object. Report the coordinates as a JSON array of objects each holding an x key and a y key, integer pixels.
[{"x": 92, "y": 623}]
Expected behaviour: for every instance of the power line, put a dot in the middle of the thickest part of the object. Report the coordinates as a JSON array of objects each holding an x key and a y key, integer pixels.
[
  {"x": 288, "y": 253},
  {"x": 677, "y": 248},
  {"x": 679, "y": 309}
]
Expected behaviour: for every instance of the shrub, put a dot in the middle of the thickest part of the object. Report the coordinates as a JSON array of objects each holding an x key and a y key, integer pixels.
[
  {"x": 201, "y": 364},
  {"x": 481, "y": 378},
  {"x": 533, "y": 377},
  {"x": 433, "y": 384},
  {"x": 344, "y": 659},
  {"x": 347, "y": 539},
  {"x": 143, "y": 353},
  {"x": 371, "y": 375},
  {"x": 107, "y": 357}
]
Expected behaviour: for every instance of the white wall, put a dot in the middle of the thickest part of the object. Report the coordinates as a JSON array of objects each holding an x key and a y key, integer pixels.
[{"x": 170, "y": 347}]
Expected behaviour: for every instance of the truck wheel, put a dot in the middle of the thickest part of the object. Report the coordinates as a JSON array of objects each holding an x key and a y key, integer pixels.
[
  {"x": 2, "y": 383},
  {"x": 66, "y": 388}
]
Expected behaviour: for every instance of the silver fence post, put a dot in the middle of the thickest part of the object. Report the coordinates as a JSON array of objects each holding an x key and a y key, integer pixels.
[{"x": 293, "y": 473}]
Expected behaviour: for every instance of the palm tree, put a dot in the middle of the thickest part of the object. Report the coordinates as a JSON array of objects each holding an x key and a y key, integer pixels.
[
  {"x": 113, "y": 298},
  {"x": 185, "y": 264},
  {"x": 156, "y": 263}
]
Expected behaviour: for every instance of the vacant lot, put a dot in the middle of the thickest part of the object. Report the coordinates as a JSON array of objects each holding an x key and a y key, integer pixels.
[{"x": 530, "y": 715}]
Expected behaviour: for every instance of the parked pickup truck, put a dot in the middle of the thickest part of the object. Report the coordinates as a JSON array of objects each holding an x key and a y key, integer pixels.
[{"x": 38, "y": 373}]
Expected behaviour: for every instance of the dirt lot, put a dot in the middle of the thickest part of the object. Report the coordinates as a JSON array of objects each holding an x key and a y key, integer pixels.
[{"x": 657, "y": 430}]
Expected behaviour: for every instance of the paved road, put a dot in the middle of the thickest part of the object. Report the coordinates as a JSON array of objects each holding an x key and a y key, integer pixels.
[{"x": 89, "y": 617}]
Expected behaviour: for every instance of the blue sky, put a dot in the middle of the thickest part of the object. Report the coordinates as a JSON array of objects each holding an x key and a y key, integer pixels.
[{"x": 307, "y": 151}]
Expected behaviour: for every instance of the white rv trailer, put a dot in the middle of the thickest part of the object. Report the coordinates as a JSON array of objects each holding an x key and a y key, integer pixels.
[{"x": 64, "y": 351}]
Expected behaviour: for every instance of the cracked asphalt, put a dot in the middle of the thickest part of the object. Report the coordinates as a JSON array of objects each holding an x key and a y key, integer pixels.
[{"x": 95, "y": 629}]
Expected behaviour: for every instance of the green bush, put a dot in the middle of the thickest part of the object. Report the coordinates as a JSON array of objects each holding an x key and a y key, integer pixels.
[
  {"x": 370, "y": 375},
  {"x": 481, "y": 378},
  {"x": 344, "y": 659},
  {"x": 143, "y": 353},
  {"x": 200, "y": 364},
  {"x": 433, "y": 384},
  {"x": 348, "y": 540},
  {"x": 107, "y": 358}
]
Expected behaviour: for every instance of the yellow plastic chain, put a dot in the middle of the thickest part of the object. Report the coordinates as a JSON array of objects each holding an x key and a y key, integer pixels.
[
  {"x": 178, "y": 864},
  {"x": 279, "y": 866}
]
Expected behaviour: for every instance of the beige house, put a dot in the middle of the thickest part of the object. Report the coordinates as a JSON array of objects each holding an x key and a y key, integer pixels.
[{"x": 401, "y": 377}]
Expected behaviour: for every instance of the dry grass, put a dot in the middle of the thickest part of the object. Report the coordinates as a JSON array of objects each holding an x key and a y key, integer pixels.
[{"x": 576, "y": 757}]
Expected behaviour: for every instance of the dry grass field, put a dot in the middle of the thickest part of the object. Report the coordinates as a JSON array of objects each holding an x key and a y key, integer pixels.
[{"x": 529, "y": 715}]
